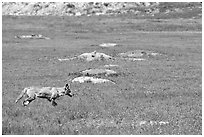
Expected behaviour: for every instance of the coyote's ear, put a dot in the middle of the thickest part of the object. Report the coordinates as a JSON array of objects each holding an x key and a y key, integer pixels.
[{"x": 66, "y": 85}]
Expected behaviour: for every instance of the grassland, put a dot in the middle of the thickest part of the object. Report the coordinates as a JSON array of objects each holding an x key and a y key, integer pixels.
[{"x": 166, "y": 88}]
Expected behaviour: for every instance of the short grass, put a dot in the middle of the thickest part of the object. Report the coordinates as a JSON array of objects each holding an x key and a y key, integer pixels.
[{"x": 164, "y": 88}]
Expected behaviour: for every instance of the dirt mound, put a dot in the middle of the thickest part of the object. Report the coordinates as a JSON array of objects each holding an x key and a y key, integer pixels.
[
  {"x": 137, "y": 54},
  {"x": 111, "y": 65},
  {"x": 32, "y": 36},
  {"x": 87, "y": 79},
  {"x": 134, "y": 59},
  {"x": 133, "y": 54},
  {"x": 90, "y": 57},
  {"x": 92, "y": 72},
  {"x": 107, "y": 45}
]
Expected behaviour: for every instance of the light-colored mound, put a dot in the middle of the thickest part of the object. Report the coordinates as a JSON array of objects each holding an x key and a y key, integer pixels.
[
  {"x": 107, "y": 45},
  {"x": 94, "y": 56},
  {"x": 98, "y": 72},
  {"x": 91, "y": 79},
  {"x": 137, "y": 54},
  {"x": 90, "y": 57},
  {"x": 133, "y": 54},
  {"x": 134, "y": 59},
  {"x": 32, "y": 36},
  {"x": 110, "y": 65}
]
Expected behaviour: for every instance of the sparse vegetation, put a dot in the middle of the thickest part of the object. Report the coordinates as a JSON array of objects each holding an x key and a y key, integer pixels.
[{"x": 139, "y": 9}]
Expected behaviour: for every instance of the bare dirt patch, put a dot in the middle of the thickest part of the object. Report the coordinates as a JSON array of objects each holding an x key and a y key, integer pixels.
[
  {"x": 107, "y": 45},
  {"x": 94, "y": 80},
  {"x": 32, "y": 36},
  {"x": 106, "y": 72},
  {"x": 90, "y": 57},
  {"x": 111, "y": 65},
  {"x": 138, "y": 53}
]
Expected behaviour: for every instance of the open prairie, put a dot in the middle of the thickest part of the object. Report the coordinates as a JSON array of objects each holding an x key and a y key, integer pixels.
[{"x": 159, "y": 95}]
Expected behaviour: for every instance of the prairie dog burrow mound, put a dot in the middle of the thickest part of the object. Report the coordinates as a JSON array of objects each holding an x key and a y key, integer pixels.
[{"x": 90, "y": 57}]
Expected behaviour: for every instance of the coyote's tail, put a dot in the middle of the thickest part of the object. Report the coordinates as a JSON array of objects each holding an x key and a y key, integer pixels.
[{"x": 21, "y": 95}]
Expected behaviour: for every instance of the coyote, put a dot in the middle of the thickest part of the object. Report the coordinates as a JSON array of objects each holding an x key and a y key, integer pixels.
[{"x": 49, "y": 93}]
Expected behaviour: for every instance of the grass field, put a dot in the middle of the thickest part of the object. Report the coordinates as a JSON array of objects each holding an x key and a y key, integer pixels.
[{"x": 162, "y": 95}]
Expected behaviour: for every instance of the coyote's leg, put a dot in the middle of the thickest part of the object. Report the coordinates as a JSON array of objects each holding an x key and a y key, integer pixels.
[
  {"x": 54, "y": 96},
  {"x": 53, "y": 102},
  {"x": 23, "y": 92},
  {"x": 27, "y": 101}
]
